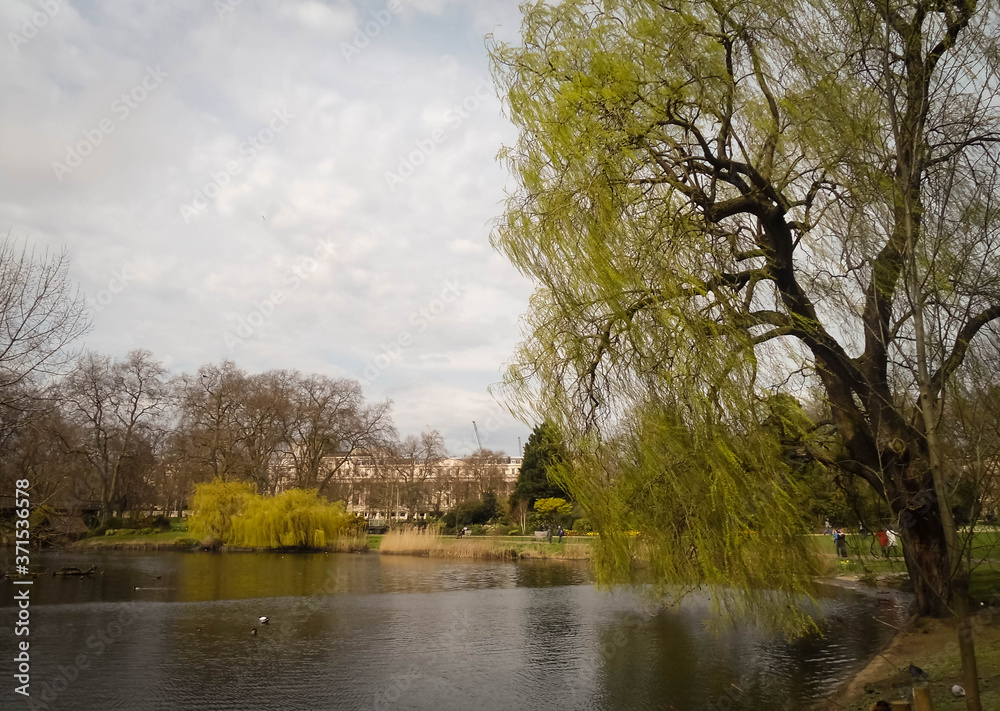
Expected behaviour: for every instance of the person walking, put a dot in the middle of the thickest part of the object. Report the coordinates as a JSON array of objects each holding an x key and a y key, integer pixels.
[
  {"x": 890, "y": 536},
  {"x": 550, "y": 534},
  {"x": 841, "y": 541},
  {"x": 883, "y": 541},
  {"x": 560, "y": 534}
]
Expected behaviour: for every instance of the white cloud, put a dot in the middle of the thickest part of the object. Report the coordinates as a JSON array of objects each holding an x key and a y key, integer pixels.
[{"x": 321, "y": 178}]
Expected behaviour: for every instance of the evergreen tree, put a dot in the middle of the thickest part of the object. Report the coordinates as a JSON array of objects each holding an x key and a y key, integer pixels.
[{"x": 542, "y": 454}]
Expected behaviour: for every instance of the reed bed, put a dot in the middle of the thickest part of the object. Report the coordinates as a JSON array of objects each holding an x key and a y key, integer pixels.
[
  {"x": 349, "y": 544},
  {"x": 433, "y": 544}
]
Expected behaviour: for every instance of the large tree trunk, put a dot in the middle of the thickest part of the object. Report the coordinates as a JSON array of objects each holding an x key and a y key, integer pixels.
[
  {"x": 901, "y": 474},
  {"x": 923, "y": 539}
]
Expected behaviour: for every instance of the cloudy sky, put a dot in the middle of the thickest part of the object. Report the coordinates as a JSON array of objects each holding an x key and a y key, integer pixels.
[{"x": 299, "y": 184}]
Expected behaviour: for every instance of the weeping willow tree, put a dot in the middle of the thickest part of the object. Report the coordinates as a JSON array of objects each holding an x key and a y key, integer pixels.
[
  {"x": 215, "y": 505},
  {"x": 297, "y": 518},
  {"x": 716, "y": 198}
]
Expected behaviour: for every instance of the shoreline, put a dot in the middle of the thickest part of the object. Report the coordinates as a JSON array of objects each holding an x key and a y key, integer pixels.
[
  {"x": 930, "y": 644},
  {"x": 478, "y": 547}
]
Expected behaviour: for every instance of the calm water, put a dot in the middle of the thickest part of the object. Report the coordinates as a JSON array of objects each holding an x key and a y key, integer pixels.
[{"x": 378, "y": 632}]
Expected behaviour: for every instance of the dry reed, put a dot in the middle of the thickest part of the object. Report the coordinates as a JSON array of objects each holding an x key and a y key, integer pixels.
[{"x": 431, "y": 543}]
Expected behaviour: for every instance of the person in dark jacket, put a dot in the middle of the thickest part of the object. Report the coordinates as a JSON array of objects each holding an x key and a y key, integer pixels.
[{"x": 841, "y": 541}]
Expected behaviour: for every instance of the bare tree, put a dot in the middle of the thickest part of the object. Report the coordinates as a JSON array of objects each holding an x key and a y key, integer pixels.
[
  {"x": 41, "y": 314},
  {"x": 344, "y": 425},
  {"x": 486, "y": 473},
  {"x": 261, "y": 418},
  {"x": 207, "y": 404},
  {"x": 415, "y": 463},
  {"x": 116, "y": 405}
]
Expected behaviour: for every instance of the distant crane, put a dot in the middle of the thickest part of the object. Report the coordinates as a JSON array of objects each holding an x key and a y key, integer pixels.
[{"x": 477, "y": 436}]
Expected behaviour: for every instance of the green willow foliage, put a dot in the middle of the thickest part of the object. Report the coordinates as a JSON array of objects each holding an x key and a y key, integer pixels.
[
  {"x": 689, "y": 506},
  {"x": 648, "y": 370},
  {"x": 214, "y": 506},
  {"x": 714, "y": 198},
  {"x": 297, "y": 518}
]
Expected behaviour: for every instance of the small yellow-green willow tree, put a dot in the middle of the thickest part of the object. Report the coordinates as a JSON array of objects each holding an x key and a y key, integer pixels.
[
  {"x": 297, "y": 518},
  {"x": 215, "y": 505}
]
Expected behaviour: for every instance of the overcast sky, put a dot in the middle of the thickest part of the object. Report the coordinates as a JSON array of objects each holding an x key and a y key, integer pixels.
[{"x": 296, "y": 184}]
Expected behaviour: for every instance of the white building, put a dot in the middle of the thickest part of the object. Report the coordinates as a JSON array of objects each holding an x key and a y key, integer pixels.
[{"x": 379, "y": 486}]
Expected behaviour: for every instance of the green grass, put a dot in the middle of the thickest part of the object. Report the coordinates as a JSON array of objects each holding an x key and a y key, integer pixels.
[
  {"x": 986, "y": 544},
  {"x": 938, "y": 655},
  {"x": 984, "y": 584},
  {"x": 984, "y": 581},
  {"x": 165, "y": 537}
]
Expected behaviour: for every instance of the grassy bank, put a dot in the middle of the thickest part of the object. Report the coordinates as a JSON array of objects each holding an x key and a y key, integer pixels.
[
  {"x": 164, "y": 540},
  {"x": 182, "y": 540},
  {"x": 931, "y": 645},
  {"x": 486, "y": 547}
]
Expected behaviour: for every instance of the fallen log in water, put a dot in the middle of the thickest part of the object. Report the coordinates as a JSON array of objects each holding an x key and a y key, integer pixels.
[{"x": 75, "y": 571}]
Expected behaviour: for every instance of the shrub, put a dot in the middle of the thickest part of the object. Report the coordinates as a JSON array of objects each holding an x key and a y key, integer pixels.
[
  {"x": 473, "y": 511},
  {"x": 156, "y": 523},
  {"x": 477, "y": 529},
  {"x": 100, "y": 528},
  {"x": 583, "y": 525},
  {"x": 186, "y": 543}
]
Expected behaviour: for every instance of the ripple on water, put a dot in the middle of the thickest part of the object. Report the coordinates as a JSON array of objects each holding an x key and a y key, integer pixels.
[{"x": 415, "y": 634}]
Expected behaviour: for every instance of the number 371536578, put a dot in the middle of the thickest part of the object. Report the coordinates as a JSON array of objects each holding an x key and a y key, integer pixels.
[{"x": 21, "y": 504}]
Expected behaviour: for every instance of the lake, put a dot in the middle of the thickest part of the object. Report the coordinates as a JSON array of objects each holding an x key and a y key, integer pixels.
[{"x": 366, "y": 631}]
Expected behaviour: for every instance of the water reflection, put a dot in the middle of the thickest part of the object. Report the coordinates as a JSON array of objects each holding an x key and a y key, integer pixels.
[{"x": 367, "y": 631}]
